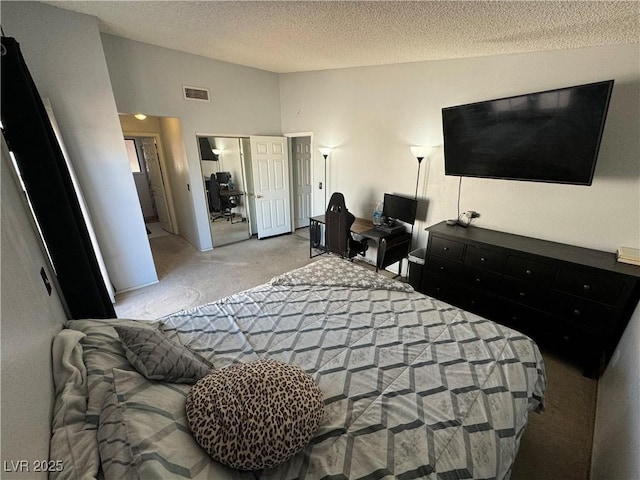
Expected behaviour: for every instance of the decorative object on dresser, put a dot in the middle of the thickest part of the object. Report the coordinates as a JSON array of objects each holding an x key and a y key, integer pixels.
[
  {"x": 628, "y": 255},
  {"x": 574, "y": 300}
]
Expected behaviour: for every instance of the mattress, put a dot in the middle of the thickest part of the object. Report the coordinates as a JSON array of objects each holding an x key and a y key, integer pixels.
[{"x": 413, "y": 387}]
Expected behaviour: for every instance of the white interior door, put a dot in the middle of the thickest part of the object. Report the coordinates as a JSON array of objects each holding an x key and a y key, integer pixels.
[
  {"x": 302, "y": 179},
  {"x": 270, "y": 165},
  {"x": 150, "y": 152}
]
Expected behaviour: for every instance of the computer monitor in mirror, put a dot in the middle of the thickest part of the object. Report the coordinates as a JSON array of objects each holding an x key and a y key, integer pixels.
[{"x": 223, "y": 177}]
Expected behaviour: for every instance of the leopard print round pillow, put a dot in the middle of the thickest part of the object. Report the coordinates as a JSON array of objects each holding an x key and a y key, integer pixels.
[{"x": 256, "y": 415}]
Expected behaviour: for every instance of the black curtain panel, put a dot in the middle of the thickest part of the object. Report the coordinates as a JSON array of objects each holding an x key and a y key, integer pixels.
[{"x": 30, "y": 136}]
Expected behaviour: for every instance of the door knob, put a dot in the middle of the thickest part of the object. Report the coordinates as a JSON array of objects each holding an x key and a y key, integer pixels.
[{"x": 258, "y": 196}]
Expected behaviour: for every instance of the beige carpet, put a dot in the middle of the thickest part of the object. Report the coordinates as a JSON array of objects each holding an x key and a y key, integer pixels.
[
  {"x": 189, "y": 277},
  {"x": 556, "y": 444}
]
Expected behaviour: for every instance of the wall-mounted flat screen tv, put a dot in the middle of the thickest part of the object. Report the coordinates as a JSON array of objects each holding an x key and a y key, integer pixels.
[{"x": 551, "y": 136}]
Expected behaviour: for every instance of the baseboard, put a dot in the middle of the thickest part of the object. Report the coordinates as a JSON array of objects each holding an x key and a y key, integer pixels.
[{"x": 130, "y": 289}]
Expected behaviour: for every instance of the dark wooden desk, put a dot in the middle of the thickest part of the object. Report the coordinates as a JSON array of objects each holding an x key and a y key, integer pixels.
[
  {"x": 360, "y": 226},
  {"x": 230, "y": 193}
]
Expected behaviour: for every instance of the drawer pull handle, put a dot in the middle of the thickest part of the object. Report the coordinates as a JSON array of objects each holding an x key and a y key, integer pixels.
[
  {"x": 514, "y": 317},
  {"x": 473, "y": 302},
  {"x": 441, "y": 268},
  {"x": 576, "y": 312},
  {"x": 586, "y": 286},
  {"x": 482, "y": 259},
  {"x": 528, "y": 272},
  {"x": 446, "y": 249},
  {"x": 478, "y": 280},
  {"x": 522, "y": 294}
]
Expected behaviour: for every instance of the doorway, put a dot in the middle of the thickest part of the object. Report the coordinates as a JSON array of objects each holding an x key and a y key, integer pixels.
[
  {"x": 146, "y": 167},
  {"x": 302, "y": 191}
]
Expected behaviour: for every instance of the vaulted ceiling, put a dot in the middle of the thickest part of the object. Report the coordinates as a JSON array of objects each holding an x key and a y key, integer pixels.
[{"x": 294, "y": 36}]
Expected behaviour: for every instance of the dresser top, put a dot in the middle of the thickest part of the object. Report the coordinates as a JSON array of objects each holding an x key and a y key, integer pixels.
[{"x": 560, "y": 251}]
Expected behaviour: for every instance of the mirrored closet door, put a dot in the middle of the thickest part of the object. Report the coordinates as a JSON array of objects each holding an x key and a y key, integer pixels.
[{"x": 224, "y": 173}]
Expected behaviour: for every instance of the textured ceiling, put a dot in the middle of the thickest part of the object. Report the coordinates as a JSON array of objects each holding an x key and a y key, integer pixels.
[{"x": 294, "y": 36}]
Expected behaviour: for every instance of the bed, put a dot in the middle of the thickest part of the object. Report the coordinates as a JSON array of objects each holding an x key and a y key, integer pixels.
[{"x": 413, "y": 387}]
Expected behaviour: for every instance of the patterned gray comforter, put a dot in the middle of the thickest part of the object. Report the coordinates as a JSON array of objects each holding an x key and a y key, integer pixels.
[{"x": 413, "y": 387}]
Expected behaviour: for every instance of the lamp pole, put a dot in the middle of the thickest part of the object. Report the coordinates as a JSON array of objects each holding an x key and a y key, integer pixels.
[
  {"x": 418, "y": 177},
  {"x": 325, "y": 151},
  {"x": 325, "y": 180},
  {"x": 420, "y": 153}
]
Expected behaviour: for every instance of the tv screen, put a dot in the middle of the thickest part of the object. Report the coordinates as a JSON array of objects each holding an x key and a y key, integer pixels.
[
  {"x": 399, "y": 208},
  {"x": 551, "y": 136}
]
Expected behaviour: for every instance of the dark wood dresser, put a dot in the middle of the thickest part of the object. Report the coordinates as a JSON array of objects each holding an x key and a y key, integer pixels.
[{"x": 574, "y": 300}]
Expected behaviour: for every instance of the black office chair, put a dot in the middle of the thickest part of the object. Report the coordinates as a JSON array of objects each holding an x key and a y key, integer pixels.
[
  {"x": 338, "y": 221},
  {"x": 392, "y": 250},
  {"x": 226, "y": 203},
  {"x": 215, "y": 202}
]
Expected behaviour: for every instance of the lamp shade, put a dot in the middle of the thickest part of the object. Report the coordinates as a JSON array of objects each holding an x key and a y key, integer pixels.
[
  {"x": 325, "y": 151},
  {"x": 420, "y": 152}
]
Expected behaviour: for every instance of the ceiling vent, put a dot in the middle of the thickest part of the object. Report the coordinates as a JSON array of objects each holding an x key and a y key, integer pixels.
[{"x": 196, "y": 93}]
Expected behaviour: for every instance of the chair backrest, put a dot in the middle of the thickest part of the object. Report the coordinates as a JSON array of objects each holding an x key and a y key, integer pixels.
[
  {"x": 338, "y": 221},
  {"x": 214, "y": 193}
]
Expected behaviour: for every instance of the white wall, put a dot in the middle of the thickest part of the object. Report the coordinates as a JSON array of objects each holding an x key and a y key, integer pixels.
[
  {"x": 63, "y": 51},
  {"x": 616, "y": 446},
  {"x": 176, "y": 163},
  {"x": 373, "y": 115},
  {"x": 28, "y": 321},
  {"x": 244, "y": 101}
]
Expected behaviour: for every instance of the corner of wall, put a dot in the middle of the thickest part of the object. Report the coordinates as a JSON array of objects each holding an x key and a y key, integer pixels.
[{"x": 616, "y": 439}]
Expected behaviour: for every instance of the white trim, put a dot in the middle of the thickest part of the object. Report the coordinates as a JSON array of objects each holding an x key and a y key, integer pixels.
[{"x": 131, "y": 289}]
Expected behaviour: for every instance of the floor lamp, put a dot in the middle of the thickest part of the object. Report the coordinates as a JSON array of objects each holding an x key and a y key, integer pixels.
[
  {"x": 325, "y": 151},
  {"x": 420, "y": 153}
]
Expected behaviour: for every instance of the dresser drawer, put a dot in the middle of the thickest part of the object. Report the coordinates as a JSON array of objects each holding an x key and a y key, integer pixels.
[
  {"x": 548, "y": 330},
  {"x": 445, "y": 268},
  {"x": 446, "y": 248},
  {"x": 599, "y": 286},
  {"x": 482, "y": 279},
  {"x": 521, "y": 317},
  {"x": 460, "y": 295},
  {"x": 584, "y": 312},
  {"x": 531, "y": 270},
  {"x": 527, "y": 293},
  {"x": 485, "y": 259},
  {"x": 442, "y": 289}
]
